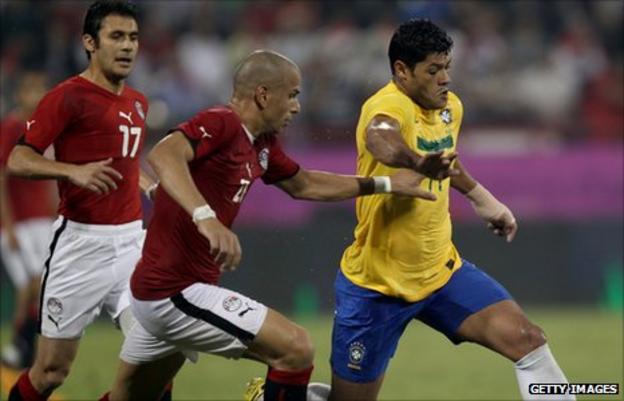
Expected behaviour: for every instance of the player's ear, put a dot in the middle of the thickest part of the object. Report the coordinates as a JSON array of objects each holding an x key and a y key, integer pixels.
[
  {"x": 400, "y": 70},
  {"x": 89, "y": 43},
  {"x": 261, "y": 96}
]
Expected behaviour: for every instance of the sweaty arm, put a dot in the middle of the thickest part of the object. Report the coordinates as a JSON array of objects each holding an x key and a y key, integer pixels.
[
  {"x": 385, "y": 143},
  {"x": 98, "y": 176},
  {"x": 169, "y": 159},
  {"x": 324, "y": 186},
  {"x": 499, "y": 218}
]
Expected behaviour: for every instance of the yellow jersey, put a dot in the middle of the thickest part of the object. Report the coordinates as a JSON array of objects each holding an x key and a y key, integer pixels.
[{"x": 402, "y": 245}]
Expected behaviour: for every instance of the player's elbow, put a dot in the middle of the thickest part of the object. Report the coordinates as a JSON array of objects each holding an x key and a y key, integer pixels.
[{"x": 17, "y": 163}]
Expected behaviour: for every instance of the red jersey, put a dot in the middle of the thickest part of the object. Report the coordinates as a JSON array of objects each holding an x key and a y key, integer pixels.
[
  {"x": 87, "y": 123},
  {"x": 29, "y": 199},
  {"x": 227, "y": 162}
]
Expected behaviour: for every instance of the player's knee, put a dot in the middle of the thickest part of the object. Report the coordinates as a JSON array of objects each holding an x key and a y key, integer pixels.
[
  {"x": 523, "y": 339},
  {"x": 300, "y": 352}
]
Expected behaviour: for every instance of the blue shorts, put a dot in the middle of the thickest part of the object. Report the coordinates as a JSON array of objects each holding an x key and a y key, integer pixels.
[{"x": 368, "y": 324}]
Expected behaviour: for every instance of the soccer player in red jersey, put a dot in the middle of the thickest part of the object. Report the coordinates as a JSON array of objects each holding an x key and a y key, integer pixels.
[
  {"x": 97, "y": 126},
  {"x": 27, "y": 210},
  {"x": 206, "y": 166}
]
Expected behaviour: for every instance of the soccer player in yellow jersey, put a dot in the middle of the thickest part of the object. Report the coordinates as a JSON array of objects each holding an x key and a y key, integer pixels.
[{"x": 402, "y": 264}]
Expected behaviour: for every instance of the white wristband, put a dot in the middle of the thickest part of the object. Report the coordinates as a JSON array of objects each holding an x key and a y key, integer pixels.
[
  {"x": 203, "y": 213},
  {"x": 383, "y": 185}
]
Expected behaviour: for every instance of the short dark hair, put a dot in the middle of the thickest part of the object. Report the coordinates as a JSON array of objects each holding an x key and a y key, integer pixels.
[
  {"x": 100, "y": 10},
  {"x": 415, "y": 39}
]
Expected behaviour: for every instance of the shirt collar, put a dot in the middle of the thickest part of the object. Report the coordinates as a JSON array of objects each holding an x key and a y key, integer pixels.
[{"x": 252, "y": 138}]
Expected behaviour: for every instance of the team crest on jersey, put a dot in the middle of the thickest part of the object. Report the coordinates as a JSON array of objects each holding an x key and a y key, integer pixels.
[
  {"x": 446, "y": 116},
  {"x": 139, "y": 109},
  {"x": 55, "y": 306},
  {"x": 357, "y": 351},
  {"x": 232, "y": 303},
  {"x": 263, "y": 158}
]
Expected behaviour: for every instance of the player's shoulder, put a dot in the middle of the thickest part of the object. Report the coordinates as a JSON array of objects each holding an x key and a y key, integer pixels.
[
  {"x": 388, "y": 94},
  {"x": 223, "y": 113},
  {"x": 134, "y": 93},
  {"x": 454, "y": 102}
]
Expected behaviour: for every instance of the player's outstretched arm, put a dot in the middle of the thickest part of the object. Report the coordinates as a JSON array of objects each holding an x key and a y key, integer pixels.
[
  {"x": 169, "y": 159},
  {"x": 97, "y": 176},
  {"x": 385, "y": 143},
  {"x": 500, "y": 219},
  {"x": 324, "y": 186}
]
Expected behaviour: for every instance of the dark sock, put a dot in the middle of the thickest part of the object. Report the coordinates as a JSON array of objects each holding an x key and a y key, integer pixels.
[
  {"x": 23, "y": 390},
  {"x": 282, "y": 385}
]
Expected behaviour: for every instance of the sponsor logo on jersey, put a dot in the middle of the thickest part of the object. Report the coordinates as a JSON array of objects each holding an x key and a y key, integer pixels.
[
  {"x": 232, "y": 303},
  {"x": 435, "y": 145},
  {"x": 247, "y": 309},
  {"x": 29, "y": 123},
  {"x": 204, "y": 133},
  {"x": 357, "y": 351},
  {"x": 139, "y": 109},
  {"x": 126, "y": 116},
  {"x": 446, "y": 116},
  {"x": 263, "y": 158}
]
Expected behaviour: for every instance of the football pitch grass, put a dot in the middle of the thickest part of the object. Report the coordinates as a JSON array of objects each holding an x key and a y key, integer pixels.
[{"x": 588, "y": 344}]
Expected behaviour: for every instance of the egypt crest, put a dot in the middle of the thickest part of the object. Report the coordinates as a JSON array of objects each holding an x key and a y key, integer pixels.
[
  {"x": 263, "y": 158},
  {"x": 139, "y": 109}
]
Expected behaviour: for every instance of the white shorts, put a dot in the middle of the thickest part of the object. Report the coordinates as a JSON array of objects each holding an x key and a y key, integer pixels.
[
  {"x": 202, "y": 318},
  {"x": 26, "y": 263},
  {"x": 89, "y": 267}
]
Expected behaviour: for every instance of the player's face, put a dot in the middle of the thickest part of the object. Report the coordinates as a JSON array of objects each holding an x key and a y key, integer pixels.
[
  {"x": 118, "y": 45},
  {"x": 283, "y": 103},
  {"x": 427, "y": 83}
]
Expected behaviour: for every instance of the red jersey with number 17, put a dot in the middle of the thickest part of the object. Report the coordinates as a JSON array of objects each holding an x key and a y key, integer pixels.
[
  {"x": 87, "y": 123},
  {"x": 227, "y": 161}
]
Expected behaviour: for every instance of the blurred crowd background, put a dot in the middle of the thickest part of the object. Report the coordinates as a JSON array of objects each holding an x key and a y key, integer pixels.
[
  {"x": 543, "y": 92},
  {"x": 552, "y": 69}
]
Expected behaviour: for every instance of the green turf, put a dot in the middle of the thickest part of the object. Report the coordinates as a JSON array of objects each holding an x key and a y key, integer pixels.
[{"x": 587, "y": 344}]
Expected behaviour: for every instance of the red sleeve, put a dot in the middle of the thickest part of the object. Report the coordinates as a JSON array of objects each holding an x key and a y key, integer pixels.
[
  {"x": 50, "y": 118},
  {"x": 206, "y": 131},
  {"x": 280, "y": 166}
]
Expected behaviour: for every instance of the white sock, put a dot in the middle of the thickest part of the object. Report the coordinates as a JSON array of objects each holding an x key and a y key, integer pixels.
[
  {"x": 539, "y": 366},
  {"x": 318, "y": 391}
]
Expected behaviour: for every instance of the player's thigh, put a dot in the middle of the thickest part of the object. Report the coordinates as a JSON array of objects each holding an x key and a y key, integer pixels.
[
  {"x": 128, "y": 250},
  {"x": 344, "y": 390},
  {"x": 145, "y": 381},
  {"x": 203, "y": 318},
  {"x": 76, "y": 279},
  {"x": 468, "y": 292},
  {"x": 56, "y": 355},
  {"x": 278, "y": 339},
  {"x": 366, "y": 331},
  {"x": 503, "y": 327},
  {"x": 34, "y": 237}
]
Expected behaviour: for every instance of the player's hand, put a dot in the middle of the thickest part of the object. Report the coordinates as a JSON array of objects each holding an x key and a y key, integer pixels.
[
  {"x": 437, "y": 165},
  {"x": 407, "y": 183},
  {"x": 224, "y": 245},
  {"x": 98, "y": 177},
  {"x": 498, "y": 216},
  {"x": 504, "y": 225}
]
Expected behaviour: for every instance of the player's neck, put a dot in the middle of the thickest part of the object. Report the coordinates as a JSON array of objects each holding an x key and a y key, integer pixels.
[
  {"x": 248, "y": 117},
  {"x": 100, "y": 79}
]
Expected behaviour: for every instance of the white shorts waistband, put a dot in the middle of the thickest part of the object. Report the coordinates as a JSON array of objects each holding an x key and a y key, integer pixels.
[{"x": 105, "y": 230}]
